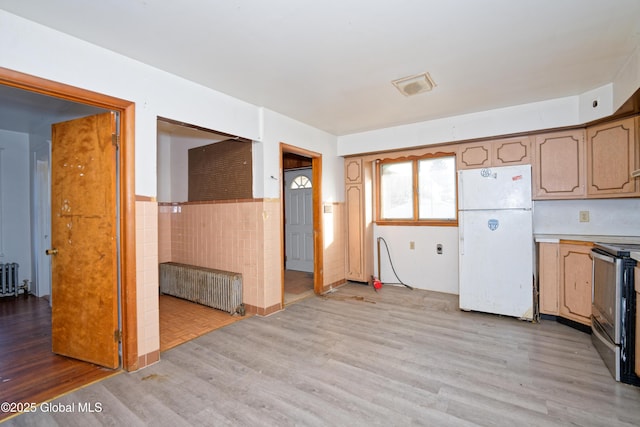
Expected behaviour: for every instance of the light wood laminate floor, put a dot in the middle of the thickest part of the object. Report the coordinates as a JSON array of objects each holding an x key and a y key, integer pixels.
[{"x": 356, "y": 357}]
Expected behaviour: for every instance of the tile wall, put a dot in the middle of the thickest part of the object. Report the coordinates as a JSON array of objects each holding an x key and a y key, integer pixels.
[
  {"x": 147, "y": 282},
  {"x": 244, "y": 236}
]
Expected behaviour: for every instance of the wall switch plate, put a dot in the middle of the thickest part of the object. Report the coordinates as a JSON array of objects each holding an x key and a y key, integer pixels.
[
  {"x": 584, "y": 216},
  {"x": 412, "y": 245}
]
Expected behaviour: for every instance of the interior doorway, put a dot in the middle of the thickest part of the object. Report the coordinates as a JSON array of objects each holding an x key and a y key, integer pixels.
[
  {"x": 181, "y": 320},
  {"x": 301, "y": 223},
  {"x": 27, "y": 100}
]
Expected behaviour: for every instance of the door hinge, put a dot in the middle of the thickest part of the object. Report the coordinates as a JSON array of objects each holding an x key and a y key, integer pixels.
[
  {"x": 117, "y": 335},
  {"x": 115, "y": 140}
]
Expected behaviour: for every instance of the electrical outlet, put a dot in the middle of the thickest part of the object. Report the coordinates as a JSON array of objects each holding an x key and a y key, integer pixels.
[
  {"x": 584, "y": 216},
  {"x": 412, "y": 245},
  {"x": 439, "y": 248}
]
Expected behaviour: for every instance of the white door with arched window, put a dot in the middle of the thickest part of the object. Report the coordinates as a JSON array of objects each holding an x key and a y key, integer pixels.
[{"x": 298, "y": 228}]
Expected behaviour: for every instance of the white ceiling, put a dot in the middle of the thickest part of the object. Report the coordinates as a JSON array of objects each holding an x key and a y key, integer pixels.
[{"x": 330, "y": 63}]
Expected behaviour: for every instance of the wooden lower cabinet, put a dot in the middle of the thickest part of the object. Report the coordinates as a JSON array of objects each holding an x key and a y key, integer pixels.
[
  {"x": 548, "y": 276},
  {"x": 564, "y": 277},
  {"x": 576, "y": 267}
]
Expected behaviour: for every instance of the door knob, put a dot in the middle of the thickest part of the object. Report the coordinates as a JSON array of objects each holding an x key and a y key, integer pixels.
[{"x": 51, "y": 251}]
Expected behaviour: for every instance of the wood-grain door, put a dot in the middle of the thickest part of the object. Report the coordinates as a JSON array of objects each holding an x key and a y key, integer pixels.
[
  {"x": 611, "y": 157},
  {"x": 83, "y": 238},
  {"x": 559, "y": 165},
  {"x": 575, "y": 275}
]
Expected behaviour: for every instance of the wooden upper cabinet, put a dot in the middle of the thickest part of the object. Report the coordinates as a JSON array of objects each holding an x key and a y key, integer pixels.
[
  {"x": 500, "y": 152},
  {"x": 612, "y": 150},
  {"x": 559, "y": 165},
  {"x": 512, "y": 151},
  {"x": 475, "y": 155},
  {"x": 353, "y": 171}
]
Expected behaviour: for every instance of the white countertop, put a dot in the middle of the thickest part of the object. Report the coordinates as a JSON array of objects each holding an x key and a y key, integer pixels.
[
  {"x": 635, "y": 255},
  {"x": 555, "y": 238}
]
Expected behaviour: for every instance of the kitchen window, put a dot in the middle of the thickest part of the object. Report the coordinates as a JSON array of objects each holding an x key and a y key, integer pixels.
[{"x": 417, "y": 191}]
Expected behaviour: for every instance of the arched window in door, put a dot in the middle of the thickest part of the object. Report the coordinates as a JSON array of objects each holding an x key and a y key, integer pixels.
[{"x": 300, "y": 182}]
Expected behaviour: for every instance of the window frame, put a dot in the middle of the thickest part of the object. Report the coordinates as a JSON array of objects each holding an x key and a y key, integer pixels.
[{"x": 415, "y": 221}]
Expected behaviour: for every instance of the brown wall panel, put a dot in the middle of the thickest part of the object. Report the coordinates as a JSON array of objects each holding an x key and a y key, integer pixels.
[{"x": 220, "y": 171}]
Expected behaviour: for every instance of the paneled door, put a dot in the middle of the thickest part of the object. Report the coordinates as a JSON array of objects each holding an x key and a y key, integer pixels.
[
  {"x": 84, "y": 280},
  {"x": 298, "y": 228}
]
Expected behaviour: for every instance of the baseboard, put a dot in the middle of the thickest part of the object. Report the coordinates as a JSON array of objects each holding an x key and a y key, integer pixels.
[{"x": 575, "y": 325}]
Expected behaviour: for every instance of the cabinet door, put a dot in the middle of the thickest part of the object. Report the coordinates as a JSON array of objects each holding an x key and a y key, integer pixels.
[
  {"x": 474, "y": 155},
  {"x": 575, "y": 282},
  {"x": 548, "y": 275},
  {"x": 511, "y": 151},
  {"x": 355, "y": 232},
  {"x": 611, "y": 157},
  {"x": 353, "y": 171},
  {"x": 559, "y": 165}
]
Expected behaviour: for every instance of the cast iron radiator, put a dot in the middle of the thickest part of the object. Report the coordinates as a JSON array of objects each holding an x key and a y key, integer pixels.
[
  {"x": 214, "y": 288},
  {"x": 9, "y": 279}
]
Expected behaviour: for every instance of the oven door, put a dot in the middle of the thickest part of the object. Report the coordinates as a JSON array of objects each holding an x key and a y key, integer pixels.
[{"x": 607, "y": 284}]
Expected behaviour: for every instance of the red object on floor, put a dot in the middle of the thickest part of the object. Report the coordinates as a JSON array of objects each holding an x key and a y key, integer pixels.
[{"x": 377, "y": 284}]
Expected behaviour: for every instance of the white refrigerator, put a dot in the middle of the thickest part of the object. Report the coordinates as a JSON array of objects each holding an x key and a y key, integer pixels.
[{"x": 496, "y": 240}]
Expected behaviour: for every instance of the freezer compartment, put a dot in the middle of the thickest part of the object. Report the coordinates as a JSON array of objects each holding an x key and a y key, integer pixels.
[
  {"x": 507, "y": 187},
  {"x": 496, "y": 262}
]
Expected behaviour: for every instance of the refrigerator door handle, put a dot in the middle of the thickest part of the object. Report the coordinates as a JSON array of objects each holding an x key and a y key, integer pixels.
[
  {"x": 460, "y": 191},
  {"x": 460, "y": 235}
]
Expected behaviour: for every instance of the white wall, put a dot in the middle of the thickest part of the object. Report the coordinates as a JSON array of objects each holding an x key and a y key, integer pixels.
[
  {"x": 421, "y": 267},
  {"x": 15, "y": 228},
  {"x": 279, "y": 128},
  {"x": 173, "y": 166},
  {"x": 607, "y": 217},
  {"x": 164, "y": 168},
  {"x": 34, "y": 49},
  {"x": 520, "y": 118},
  {"x": 549, "y": 114}
]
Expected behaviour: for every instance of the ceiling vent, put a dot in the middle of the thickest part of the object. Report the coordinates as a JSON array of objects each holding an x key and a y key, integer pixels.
[{"x": 414, "y": 85}]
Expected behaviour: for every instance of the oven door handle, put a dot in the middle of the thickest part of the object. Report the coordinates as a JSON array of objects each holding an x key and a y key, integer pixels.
[{"x": 603, "y": 257}]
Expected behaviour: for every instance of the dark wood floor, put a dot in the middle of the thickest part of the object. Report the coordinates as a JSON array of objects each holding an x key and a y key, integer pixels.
[
  {"x": 357, "y": 357},
  {"x": 29, "y": 371}
]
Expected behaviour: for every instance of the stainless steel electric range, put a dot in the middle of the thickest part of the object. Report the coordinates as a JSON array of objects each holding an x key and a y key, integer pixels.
[{"x": 613, "y": 309}]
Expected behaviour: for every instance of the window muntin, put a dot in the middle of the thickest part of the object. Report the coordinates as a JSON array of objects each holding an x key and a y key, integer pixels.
[
  {"x": 300, "y": 182},
  {"x": 419, "y": 190}
]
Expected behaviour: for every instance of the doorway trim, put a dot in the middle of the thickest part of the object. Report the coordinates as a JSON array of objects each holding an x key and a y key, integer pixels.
[
  {"x": 127, "y": 191},
  {"x": 318, "y": 239}
]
